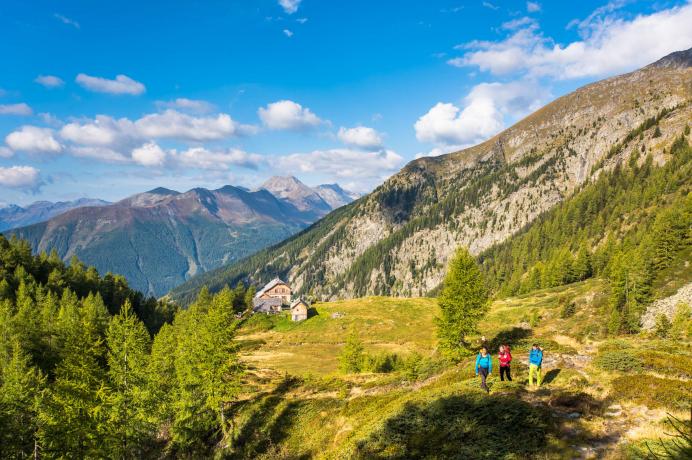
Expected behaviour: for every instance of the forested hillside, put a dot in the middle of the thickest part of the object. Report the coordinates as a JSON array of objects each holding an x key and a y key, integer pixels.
[
  {"x": 397, "y": 240},
  {"x": 91, "y": 369}
]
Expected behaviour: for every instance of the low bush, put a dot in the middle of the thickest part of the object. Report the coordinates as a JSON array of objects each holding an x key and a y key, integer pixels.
[
  {"x": 568, "y": 310},
  {"x": 653, "y": 391},
  {"x": 621, "y": 361},
  {"x": 676, "y": 365}
]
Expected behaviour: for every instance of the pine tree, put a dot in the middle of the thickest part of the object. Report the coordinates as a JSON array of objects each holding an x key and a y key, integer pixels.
[
  {"x": 463, "y": 302},
  {"x": 680, "y": 327},
  {"x": 161, "y": 374},
  {"x": 582, "y": 264},
  {"x": 130, "y": 404}
]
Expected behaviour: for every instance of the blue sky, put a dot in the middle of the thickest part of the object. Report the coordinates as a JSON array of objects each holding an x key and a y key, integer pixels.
[{"x": 107, "y": 99}]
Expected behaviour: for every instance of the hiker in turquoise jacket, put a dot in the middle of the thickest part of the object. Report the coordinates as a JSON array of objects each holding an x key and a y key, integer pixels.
[
  {"x": 484, "y": 366},
  {"x": 535, "y": 362}
]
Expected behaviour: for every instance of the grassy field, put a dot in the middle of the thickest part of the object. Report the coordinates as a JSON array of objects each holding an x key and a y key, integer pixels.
[{"x": 601, "y": 398}]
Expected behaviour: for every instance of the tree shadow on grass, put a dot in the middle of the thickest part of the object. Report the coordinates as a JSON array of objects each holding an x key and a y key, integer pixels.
[
  {"x": 267, "y": 425},
  {"x": 461, "y": 427},
  {"x": 508, "y": 336}
]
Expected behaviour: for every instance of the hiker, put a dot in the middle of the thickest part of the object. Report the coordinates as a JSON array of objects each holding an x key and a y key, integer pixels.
[
  {"x": 535, "y": 361},
  {"x": 505, "y": 357},
  {"x": 484, "y": 366}
]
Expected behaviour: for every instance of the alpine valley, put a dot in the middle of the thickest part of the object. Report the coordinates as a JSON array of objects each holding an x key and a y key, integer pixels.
[
  {"x": 160, "y": 238},
  {"x": 397, "y": 240}
]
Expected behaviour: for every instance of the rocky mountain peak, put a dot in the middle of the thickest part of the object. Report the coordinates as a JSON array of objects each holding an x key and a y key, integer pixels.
[{"x": 676, "y": 60}]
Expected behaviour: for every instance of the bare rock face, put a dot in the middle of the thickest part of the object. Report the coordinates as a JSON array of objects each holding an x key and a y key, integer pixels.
[
  {"x": 666, "y": 306},
  {"x": 297, "y": 193},
  {"x": 398, "y": 239}
]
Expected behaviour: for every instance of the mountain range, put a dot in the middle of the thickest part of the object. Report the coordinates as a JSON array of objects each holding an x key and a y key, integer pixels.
[
  {"x": 14, "y": 216},
  {"x": 398, "y": 239},
  {"x": 160, "y": 238}
]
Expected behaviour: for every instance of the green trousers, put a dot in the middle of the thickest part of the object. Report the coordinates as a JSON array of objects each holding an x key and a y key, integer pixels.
[{"x": 535, "y": 370}]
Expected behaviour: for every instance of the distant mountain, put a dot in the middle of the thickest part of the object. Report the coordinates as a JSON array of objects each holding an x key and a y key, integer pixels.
[
  {"x": 160, "y": 238},
  {"x": 13, "y": 216},
  {"x": 335, "y": 196},
  {"x": 398, "y": 239},
  {"x": 298, "y": 194}
]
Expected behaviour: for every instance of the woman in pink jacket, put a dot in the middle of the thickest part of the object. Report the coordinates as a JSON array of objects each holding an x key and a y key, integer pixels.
[{"x": 505, "y": 357}]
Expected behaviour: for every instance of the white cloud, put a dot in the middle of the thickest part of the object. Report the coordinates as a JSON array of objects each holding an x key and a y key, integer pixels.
[
  {"x": 190, "y": 105},
  {"x": 533, "y": 7},
  {"x": 99, "y": 153},
  {"x": 344, "y": 163},
  {"x": 20, "y": 177},
  {"x": 49, "y": 81},
  {"x": 102, "y": 130},
  {"x": 121, "y": 85},
  {"x": 201, "y": 158},
  {"x": 287, "y": 115},
  {"x": 609, "y": 45},
  {"x": 149, "y": 154},
  {"x": 288, "y": 33},
  {"x": 360, "y": 136},
  {"x": 66, "y": 20},
  {"x": 290, "y": 6},
  {"x": 486, "y": 109},
  {"x": 302, "y": 20},
  {"x": 176, "y": 125},
  {"x": 5, "y": 152},
  {"x": 33, "y": 139},
  {"x": 15, "y": 109},
  {"x": 490, "y": 6}
]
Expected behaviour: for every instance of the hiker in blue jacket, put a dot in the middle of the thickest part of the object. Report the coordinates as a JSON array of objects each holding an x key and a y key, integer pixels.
[
  {"x": 484, "y": 366},
  {"x": 535, "y": 362}
]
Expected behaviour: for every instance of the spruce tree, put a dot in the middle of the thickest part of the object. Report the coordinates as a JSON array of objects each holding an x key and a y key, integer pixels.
[
  {"x": 463, "y": 302},
  {"x": 351, "y": 357}
]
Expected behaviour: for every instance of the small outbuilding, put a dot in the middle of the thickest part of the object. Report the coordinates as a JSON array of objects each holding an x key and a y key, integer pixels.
[
  {"x": 269, "y": 306},
  {"x": 299, "y": 310}
]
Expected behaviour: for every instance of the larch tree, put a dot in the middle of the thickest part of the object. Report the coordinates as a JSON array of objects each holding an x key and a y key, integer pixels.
[{"x": 463, "y": 302}]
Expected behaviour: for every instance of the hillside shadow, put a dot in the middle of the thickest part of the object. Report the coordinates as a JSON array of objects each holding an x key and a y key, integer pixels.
[
  {"x": 461, "y": 427},
  {"x": 508, "y": 336}
]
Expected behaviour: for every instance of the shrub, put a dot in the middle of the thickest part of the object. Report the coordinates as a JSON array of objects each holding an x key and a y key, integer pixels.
[
  {"x": 381, "y": 362},
  {"x": 568, "y": 310},
  {"x": 680, "y": 328},
  {"x": 621, "y": 361},
  {"x": 351, "y": 357},
  {"x": 662, "y": 326},
  {"x": 678, "y": 365},
  {"x": 653, "y": 391},
  {"x": 535, "y": 318}
]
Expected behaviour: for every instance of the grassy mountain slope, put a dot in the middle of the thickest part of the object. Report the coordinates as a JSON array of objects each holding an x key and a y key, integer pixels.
[
  {"x": 590, "y": 403},
  {"x": 397, "y": 240}
]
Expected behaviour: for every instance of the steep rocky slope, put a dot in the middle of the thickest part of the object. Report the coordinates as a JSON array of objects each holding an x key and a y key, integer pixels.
[{"x": 398, "y": 239}]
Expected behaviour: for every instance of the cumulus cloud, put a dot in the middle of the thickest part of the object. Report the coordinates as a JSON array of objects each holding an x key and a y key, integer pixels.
[
  {"x": 122, "y": 84},
  {"x": 486, "y": 109},
  {"x": 33, "y": 139},
  {"x": 176, "y": 125},
  {"x": 360, "y": 136},
  {"x": 20, "y": 177},
  {"x": 189, "y": 105},
  {"x": 100, "y": 153},
  {"x": 533, "y": 7},
  {"x": 288, "y": 33},
  {"x": 15, "y": 109},
  {"x": 149, "y": 154},
  {"x": 49, "y": 81},
  {"x": 201, "y": 158},
  {"x": 609, "y": 45},
  {"x": 344, "y": 163},
  {"x": 287, "y": 114},
  {"x": 290, "y": 6},
  {"x": 102, "y": 130}
]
